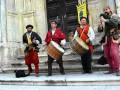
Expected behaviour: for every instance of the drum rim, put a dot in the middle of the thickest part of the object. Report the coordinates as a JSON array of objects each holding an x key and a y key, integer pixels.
[
  {"x": 58, "y": 48},
  {"x": 84, "y": 46}
]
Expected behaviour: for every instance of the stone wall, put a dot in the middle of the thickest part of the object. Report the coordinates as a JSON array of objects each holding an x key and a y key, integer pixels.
[
  {"x": 95, "y": 8},
  {"x": 14, "y": 16},
  {"x": 118, "y": 6},
  {"x": 13, "y": 19}
]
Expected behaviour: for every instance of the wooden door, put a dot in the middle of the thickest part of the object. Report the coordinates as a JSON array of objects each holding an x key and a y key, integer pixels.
[{"x": 64, "y": 11}]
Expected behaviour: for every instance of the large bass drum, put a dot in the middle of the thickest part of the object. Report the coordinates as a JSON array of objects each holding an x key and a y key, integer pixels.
[
  {"x": 79, "y": 46},
  {"x": 55, "y": 50}
]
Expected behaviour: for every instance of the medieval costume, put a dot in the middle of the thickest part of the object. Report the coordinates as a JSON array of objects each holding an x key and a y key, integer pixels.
[
  {"x": 59, "y": 37},
  {"x": 32, "y": 40},
  {"x": 85, "y": 33},
  {"x": 111, "y": 45},
  {"x": 110, "y": 41}
]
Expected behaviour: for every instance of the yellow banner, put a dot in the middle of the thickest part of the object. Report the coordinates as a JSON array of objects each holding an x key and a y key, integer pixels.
[{"x": 82, "y": 11}]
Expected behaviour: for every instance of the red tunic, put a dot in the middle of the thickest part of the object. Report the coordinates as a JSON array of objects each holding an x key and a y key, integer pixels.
[
  {"x": 57, "y": 37},
  {"x": 83, "y": 34}
]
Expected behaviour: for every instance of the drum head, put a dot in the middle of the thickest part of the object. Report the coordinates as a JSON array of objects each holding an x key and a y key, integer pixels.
[
  {"x": 82, "y": 43},
  {"x": 57, "y": 46}
]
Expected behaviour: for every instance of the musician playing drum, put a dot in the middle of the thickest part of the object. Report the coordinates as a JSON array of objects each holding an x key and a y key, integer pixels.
[
  {"x": 86, "y": 33},
  {"x": 55, "y": 34},
  {"x": 31, "y": 40}
]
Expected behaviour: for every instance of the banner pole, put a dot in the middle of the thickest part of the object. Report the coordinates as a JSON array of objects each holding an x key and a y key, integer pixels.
[{"x": 87, "y": 10}]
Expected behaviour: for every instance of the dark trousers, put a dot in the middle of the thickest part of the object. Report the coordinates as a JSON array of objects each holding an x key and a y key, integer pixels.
[
  {"x": 86, "y": 60},
  {"x": 50, "y": 61}
]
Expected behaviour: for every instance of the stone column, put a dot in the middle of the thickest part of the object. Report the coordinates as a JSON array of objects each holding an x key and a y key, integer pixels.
[
  {"x": 118, "y": 7},
  {"x": 111, "y": 3},
  {"x": 0, "y": 26},
  {"x": 41, "y": 18},
  {"x": 3, "y": 21},
  {"x": 4, "y": 50}
]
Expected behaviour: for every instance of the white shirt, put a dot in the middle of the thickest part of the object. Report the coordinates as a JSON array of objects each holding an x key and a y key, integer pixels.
[
  {"x": 63, "y": 42},
  {"x": 28, "y": 34},
  {"x": 53, "y": 32},
  {"x": 91, "y": 34}
]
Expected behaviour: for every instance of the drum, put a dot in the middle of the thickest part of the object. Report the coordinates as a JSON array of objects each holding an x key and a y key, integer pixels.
[
  {"x": 79, "y": 46},
  {"x": 55, "y": 50}
]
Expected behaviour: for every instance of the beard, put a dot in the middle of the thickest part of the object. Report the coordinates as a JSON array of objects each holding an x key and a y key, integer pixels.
[
  {"x": 29, "y": 31},
  {"x": 106, "y": 13}
]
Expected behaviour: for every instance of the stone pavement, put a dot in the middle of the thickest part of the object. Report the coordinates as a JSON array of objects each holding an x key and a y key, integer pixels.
[
  {"x": 70, "y": 79},
  {"x": 16, "y": 87}
]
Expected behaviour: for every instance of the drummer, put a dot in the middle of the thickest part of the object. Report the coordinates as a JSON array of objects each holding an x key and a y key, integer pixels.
[
  {"x": 86, "y": 33},
  {"x": 55, "y": 34}
]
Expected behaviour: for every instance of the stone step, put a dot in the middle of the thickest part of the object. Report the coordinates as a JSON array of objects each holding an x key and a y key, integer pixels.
[
  {"x": 70, "y": 79},
  {"x": 71, "y": 63},
  {"x": 68, "y": 68},
  {"x": 68, "y": 53},
  {"x": 67, "y": 59}
]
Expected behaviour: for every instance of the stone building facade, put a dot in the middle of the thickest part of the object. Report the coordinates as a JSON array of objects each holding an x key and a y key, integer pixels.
[{"x": 16, "y": 14}]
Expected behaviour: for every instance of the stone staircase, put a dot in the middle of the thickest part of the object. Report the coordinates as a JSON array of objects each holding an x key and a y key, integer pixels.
[
  {"x": 71, "y": 61},
  {"x": 73, "y": 69}
]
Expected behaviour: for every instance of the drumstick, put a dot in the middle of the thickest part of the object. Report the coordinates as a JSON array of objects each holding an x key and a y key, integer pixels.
[{"x": 45, "y": 47}]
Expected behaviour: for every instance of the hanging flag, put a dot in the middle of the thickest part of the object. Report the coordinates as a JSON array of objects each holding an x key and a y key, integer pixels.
[{"x": 82, "y": 10}]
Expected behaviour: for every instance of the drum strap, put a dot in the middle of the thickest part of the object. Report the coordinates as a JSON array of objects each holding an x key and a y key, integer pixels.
[{"x": 83, "y": 32}]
